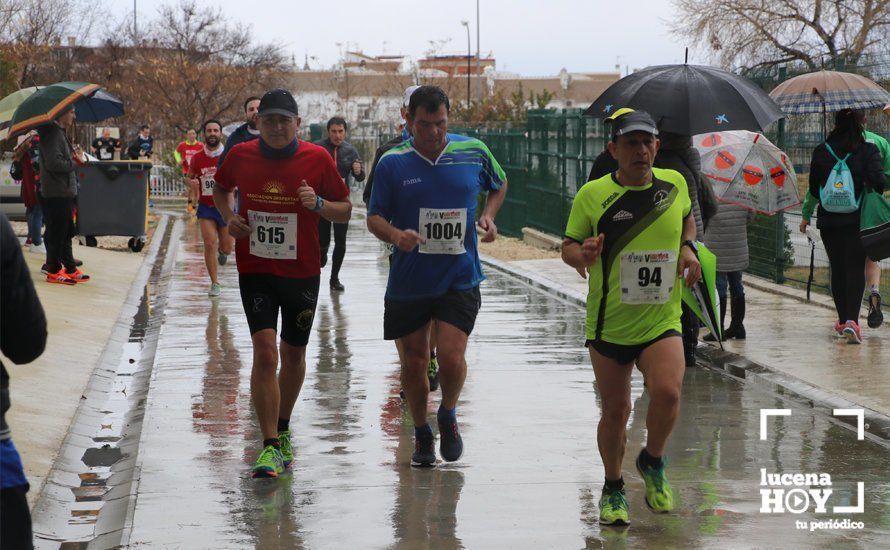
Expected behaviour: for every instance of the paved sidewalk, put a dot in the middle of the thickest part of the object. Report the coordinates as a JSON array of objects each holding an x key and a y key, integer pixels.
[
  {"x": 46, "y": 393},
  {"x": 792, "y": 339}
]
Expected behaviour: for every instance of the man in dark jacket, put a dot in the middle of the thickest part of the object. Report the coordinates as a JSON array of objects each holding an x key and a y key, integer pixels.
[
  {"x": 58, "y": 186},
  {"x": 677, "y": 153},
  {"x": 405, "y": 134},
  {"x": 245, "y": 132},
  {"x": 142, "y": 147},
  {"x": 22, "y": 340},
  {"x": 605, "y": 163},
  {"x": 349, "y": 165}
]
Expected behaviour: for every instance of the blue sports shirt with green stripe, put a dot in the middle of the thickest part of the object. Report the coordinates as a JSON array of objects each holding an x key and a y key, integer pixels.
[{"x": 438, "y": 200}]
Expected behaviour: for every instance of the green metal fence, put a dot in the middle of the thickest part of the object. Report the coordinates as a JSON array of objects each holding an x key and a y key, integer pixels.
[{"x": 546, "y": 159}]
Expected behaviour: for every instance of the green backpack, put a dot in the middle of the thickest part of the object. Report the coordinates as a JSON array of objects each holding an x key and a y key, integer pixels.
[{"x": 874, "y": 226}]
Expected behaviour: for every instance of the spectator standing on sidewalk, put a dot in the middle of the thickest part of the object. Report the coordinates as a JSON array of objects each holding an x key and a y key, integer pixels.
[
  {"x": 727, "y": 237},
  {"x": 677, "y": 153},
  {"x": 22, "y": 340},
  {"x": 872, "y": 268},
  {"x": 349, "y": 165},
  {"x": 26, "y": 169},
  {"x": 142, "y": 147},
  {"x": 840, "y": 231},
  {"x": 58, "y": 186},
  {"x": 104, "y": 147}
]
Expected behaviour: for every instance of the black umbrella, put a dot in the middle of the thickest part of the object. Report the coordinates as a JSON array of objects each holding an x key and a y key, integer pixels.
[{"x": 691, "y": 99}]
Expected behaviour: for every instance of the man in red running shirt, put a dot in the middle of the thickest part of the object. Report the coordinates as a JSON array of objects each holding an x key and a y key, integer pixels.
[
  {"x": 218, "y": 244},
  {"x": 183, "y": 154},
  {"x": 285, "y": 185}
]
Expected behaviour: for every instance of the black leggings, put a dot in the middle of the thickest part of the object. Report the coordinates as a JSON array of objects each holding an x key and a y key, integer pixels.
[
  {"x": 324, "y": 241},
  {"x": 847, "y": 259},
  {"x": 58, "y": 215},
  {"x": 15, "y": 527}
]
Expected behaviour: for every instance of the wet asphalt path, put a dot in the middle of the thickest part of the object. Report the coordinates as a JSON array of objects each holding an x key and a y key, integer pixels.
[{"x": 530, "y": 476}]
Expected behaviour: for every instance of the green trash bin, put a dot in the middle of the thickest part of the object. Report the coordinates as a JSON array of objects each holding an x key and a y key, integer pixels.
[{"x": 113, "y": 200}]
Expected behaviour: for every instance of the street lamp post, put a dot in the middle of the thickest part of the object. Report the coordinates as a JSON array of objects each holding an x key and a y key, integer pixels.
[
  {"x": 466, "y": 24},
  {"x": 478, "y": 56}
]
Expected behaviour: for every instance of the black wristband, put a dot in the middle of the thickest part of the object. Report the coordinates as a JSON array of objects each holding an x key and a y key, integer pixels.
[{"x": 690, "y": 244}]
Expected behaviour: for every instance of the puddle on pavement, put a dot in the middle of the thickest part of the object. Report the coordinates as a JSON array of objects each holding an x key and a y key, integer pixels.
[{"x": 103, "y": 438}]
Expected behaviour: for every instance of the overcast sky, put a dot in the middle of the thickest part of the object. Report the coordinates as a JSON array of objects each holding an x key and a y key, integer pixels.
[{"x": 531, "y": 38}]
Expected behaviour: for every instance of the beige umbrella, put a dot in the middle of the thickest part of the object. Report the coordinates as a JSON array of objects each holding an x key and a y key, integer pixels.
[{"x": 829, "y": 91}]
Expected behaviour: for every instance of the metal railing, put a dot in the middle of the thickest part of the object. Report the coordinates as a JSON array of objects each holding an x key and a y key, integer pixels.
[{"x": 166, "y": 181}]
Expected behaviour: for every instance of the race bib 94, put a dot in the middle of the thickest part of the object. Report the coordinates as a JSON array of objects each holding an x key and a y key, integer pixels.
[
  {"x": 273, "y": 235},
  {"x": 648, "y": 277},
  {"x": 444, "y": 230}
]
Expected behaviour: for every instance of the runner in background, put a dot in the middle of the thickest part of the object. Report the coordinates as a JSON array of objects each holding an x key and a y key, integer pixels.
[
  {"x": 218, "y": 244},
  {"x": 183, "y": 155}
]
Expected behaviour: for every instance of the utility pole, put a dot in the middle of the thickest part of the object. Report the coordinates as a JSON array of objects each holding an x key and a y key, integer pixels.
[
  {"x": 469, "y": 56},
  {"x": 478, "y": 70}
]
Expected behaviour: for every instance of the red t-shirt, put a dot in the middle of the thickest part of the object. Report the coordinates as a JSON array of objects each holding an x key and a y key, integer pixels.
[
  {"x": 203, "y": 167},
  {"x": 187, "y": 151},
  {"x": 284, "y": 241}
]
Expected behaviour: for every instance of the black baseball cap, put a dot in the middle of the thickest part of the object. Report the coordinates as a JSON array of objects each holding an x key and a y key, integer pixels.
[
  {"x": 278, "y": 102},
  {"x": 636, "y": 121}
]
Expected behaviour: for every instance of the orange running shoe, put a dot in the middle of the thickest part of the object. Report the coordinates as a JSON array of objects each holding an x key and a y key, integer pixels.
[
  {"x": 60, "y": 278},
  {"x": 78, "y": 275}
]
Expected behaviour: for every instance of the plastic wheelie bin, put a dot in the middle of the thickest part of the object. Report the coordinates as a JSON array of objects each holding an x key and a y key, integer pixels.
[{"x": 113, "y": 200}]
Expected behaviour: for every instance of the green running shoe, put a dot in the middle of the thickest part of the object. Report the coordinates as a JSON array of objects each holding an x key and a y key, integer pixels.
[
  {"x": 613, "y": 508},
  {"x": 659, "y": 495},
  {"x": 270, "y": 463},
  {"x": 433, "y": 374},
  {"x": 287, "y": 449}
]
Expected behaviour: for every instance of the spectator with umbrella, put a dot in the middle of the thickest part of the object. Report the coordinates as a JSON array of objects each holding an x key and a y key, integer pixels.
[
  {"x": 845, "y": 159},
  {"x": 58, "y": 158},
  {"x": 831, "y": 91},
  {"x": 51, "y": 110}
]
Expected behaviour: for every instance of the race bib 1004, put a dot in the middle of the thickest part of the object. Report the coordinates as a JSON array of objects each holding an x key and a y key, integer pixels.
[
  {"x": 444, "y": 230},
  {"x": 273, "y": 235},
  {"x": 648, "y": 277}
]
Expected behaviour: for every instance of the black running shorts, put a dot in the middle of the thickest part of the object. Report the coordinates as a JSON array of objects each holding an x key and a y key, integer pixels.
[
  {"x": 626, "y": 354},
  {"x": 262, "y": 295},
  {"x": 456, "y": 307}
]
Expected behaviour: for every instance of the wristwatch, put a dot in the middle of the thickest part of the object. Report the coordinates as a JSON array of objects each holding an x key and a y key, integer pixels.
[
  {"x": 690, "y": 244},
  {"x": 319, "y": 202}
]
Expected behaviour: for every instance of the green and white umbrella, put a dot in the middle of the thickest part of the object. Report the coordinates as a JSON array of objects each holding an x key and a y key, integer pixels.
[
  {"x": 701, "y": 297},
  {"x": 91, "y": 102},
  {"x": 8, "y": 105}
]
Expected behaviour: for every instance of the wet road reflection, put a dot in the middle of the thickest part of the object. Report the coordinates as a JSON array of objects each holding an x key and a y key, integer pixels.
[{"x": 530, "y": 477}]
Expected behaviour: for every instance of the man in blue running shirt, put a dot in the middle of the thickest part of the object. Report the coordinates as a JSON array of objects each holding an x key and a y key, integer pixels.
[{"x": 424, "y": 203}]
